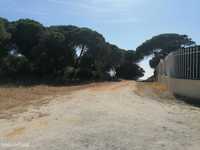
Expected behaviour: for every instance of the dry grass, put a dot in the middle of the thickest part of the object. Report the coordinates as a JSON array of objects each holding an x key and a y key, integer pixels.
[
  {"x": 15, "y": 99},
  {"x": 157, "y": 87},
  {"x": 154, "y": 90}
]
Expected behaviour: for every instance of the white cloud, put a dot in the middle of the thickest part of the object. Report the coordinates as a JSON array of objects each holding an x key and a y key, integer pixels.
[{"x": 103, "y": 10}]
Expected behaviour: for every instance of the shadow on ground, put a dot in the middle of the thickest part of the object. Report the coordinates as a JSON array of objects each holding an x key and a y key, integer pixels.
[{"x": 188, "y": 100}]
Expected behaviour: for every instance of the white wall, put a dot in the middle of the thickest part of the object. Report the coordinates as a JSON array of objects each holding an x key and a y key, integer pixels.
[{"x": 183, "y": 87}]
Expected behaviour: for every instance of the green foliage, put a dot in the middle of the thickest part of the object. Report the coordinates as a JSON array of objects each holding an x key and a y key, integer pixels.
[
  {"x": 3, "y": 52},
  {"x": 26, "y": 34},
  {"x": 4, "y": 38},
  {"x": 4, "y": 35},
  {"x": 69, "y": 73},
  {"x": 60, "y": 53},
  {"x": 161, "y": 46},
  {"x": 52, "y": 54},
  {"x": 70, "y": 53},
  {"x": 14, "y": 66},
  {"x": 130, "y": 71},
  {"x": 156, "y": 59}
]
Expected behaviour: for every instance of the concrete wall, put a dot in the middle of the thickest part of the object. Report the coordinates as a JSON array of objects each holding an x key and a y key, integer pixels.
[{"x": 187, "y": 88}]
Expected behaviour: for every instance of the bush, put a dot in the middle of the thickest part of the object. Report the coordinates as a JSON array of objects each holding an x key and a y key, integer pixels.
[
  {"x": 130, "y": 71},
  {"x": 84, "y": 74},
  {"x": 60, "y": 53},
  {"x": 14, "y": 66},
  {"x": 69, "y": 73}
]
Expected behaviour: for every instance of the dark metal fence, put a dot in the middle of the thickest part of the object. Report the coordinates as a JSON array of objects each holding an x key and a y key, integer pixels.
[{"x": 182, "y": 64}]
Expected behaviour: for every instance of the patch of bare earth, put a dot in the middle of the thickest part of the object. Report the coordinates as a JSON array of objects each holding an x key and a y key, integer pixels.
[
  {"x": 123, "y": 115},
  {"x": 17, "y": 99}
]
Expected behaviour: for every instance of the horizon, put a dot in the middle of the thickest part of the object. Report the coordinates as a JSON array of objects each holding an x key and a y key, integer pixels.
[{"x": 126, "y": 23}]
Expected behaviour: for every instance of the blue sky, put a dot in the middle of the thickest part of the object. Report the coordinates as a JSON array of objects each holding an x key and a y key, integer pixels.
[{"x": 126, "y": 23}]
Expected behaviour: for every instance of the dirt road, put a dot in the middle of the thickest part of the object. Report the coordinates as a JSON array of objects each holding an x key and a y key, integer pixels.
[{"x": 107, "y": 116}]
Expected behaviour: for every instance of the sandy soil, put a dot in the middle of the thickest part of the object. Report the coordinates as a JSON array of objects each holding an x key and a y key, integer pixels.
[{"x": 105, "y": 116}]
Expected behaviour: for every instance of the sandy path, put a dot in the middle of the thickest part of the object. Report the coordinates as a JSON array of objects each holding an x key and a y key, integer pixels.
[{"x": 110, "y": 116}]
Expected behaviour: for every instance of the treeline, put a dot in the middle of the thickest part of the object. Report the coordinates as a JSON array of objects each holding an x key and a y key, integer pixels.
[
  {"x": 31, "y": 51},
  {"x": 161, "y": 45}
]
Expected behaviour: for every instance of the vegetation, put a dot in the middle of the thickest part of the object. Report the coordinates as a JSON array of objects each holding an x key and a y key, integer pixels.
[
  {"x": 161, "y": 46},
  {"x": 31, "y": 51}
]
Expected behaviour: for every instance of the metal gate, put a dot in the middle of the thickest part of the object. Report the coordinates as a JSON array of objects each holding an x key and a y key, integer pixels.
[{"x": 181, "y": 64}]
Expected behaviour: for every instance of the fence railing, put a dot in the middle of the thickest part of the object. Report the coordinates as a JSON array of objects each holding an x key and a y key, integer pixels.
[{"x": 183, "y": 63}]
